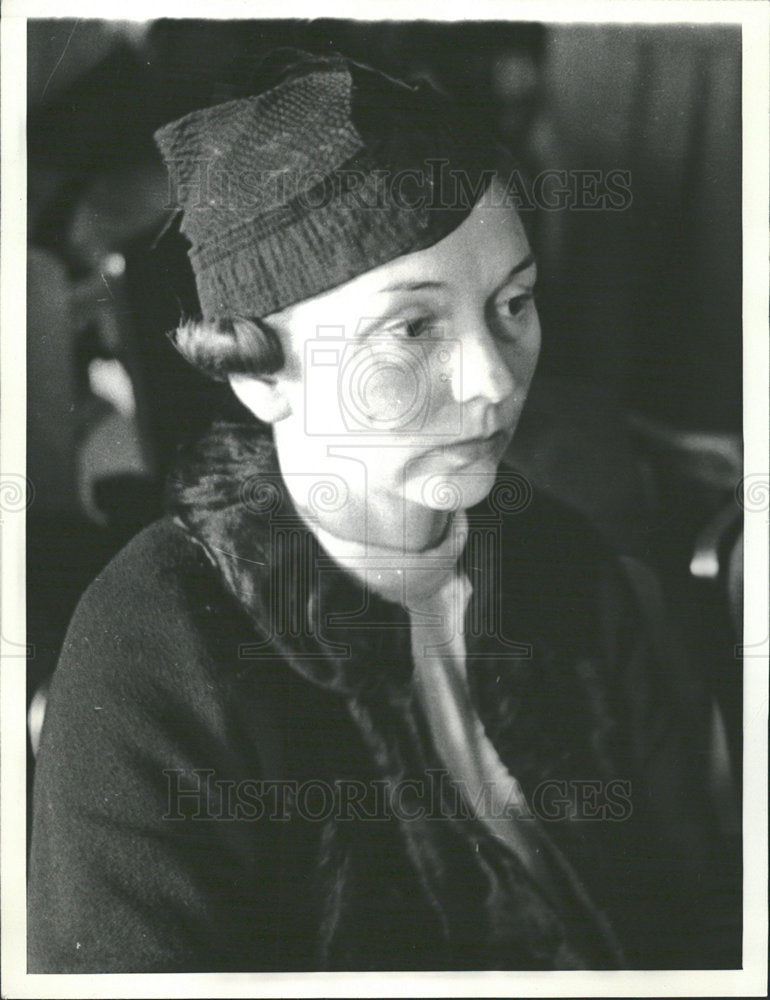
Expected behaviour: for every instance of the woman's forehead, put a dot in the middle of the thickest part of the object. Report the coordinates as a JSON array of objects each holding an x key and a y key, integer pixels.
[{"x": 484, "y": 247}]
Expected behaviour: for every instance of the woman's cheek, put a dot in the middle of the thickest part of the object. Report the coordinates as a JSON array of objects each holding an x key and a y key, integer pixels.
[
  {"x": 523, "y": 355},
  {"x": 386, "y": 387}
]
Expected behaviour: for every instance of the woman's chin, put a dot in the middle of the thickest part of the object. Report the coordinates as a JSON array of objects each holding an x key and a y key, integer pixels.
[{"x": 447, "y": 488}]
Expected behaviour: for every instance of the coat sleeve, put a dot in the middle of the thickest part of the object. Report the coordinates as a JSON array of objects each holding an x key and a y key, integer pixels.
[{"x": 138, "y": 860}]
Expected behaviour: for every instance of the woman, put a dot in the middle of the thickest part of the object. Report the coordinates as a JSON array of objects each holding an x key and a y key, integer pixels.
[{"x": 363, "y": 700}]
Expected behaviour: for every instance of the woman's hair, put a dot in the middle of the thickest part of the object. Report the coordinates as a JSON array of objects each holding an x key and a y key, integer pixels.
[{"x": 229, "y": 346}]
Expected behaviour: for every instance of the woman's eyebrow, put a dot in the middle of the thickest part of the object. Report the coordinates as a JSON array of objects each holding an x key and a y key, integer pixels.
[
  {"x": 418, "y": 286},
  {"x": 523, "y": 264},
  {"x": 411, "y": 286}
]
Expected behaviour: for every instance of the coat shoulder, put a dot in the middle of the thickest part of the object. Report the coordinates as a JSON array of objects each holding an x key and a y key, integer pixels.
[
  {"x": 155, "y": 624},
  {"x": 160, "y": 567}
]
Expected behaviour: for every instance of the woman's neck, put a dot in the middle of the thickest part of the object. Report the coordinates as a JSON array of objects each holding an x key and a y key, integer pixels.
[{"x": 396, "y": 524}]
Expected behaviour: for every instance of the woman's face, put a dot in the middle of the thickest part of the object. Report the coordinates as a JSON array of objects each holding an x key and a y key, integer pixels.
[{"x": 408, "y": 381}]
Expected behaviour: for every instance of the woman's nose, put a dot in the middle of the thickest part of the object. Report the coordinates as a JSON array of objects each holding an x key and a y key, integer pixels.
[{"x": 480, "y": 369}]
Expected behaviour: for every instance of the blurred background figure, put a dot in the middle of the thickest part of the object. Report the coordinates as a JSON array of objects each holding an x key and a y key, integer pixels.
[{"x": 635, "y": 414}]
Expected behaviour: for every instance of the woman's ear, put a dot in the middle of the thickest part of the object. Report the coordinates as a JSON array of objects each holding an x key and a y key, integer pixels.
[{"x": 264, "y": 396}]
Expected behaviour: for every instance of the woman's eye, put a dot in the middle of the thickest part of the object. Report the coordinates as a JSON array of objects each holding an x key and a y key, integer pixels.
[
  {"x": 416, "y": 327},
  {"x": 410, "y": 328},
  {"x": 515, "y": 305}
]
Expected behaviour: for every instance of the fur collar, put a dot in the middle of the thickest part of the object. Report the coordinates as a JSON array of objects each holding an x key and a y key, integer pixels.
[{"x": 535, "y": 573}]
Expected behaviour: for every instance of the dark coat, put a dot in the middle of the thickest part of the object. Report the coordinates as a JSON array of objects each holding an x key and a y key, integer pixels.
[{"x": 222, "y": 650}]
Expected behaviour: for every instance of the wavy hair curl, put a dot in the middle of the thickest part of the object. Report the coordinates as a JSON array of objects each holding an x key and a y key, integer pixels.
[{"x": 229, "y": 346}]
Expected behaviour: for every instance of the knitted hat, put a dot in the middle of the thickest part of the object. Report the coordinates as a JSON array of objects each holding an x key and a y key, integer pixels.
[{"x": 331, "y": 172}]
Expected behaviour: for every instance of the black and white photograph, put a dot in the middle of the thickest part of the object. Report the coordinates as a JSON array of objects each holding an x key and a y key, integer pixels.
[{"x": 384, "y": 500}]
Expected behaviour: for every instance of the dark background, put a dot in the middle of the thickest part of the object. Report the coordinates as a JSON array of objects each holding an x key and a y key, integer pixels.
[{"x": 635, "y": 414}]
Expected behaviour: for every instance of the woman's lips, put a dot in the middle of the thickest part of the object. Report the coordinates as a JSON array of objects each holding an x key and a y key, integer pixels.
[{"x": 472, "y": 449}]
